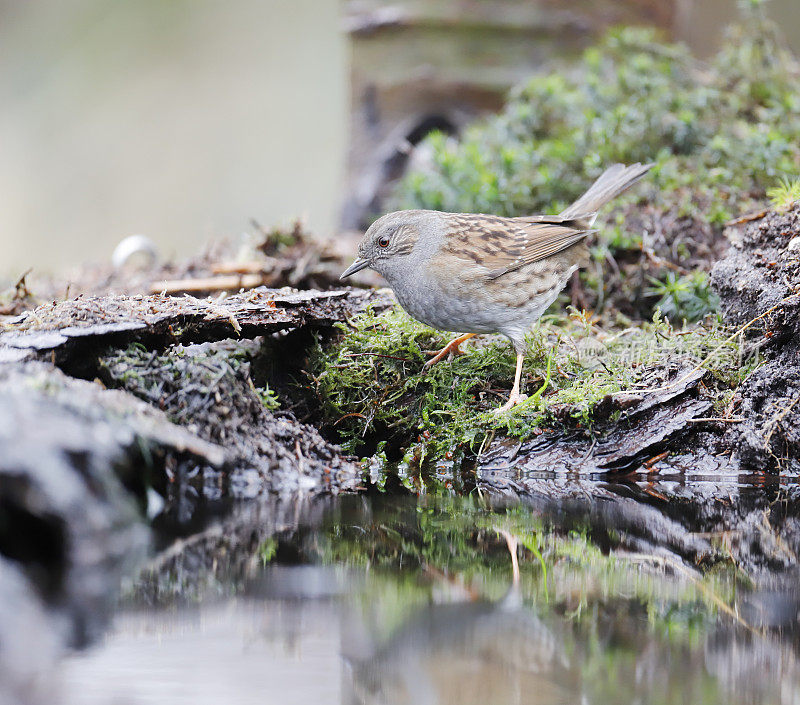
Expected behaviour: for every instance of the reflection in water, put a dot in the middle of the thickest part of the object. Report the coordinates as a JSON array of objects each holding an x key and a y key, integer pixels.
[{"x": 396, "y": 600}]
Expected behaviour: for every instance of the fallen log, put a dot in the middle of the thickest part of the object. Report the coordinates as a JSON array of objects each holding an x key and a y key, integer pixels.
[
  {"x": 64, "y": 330},
  {"x": 220, "y": 426}
]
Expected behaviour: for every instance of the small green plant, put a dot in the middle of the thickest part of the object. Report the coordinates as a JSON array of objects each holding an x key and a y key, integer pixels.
[
  {"x": 686, "y": 297},
  {"x": 785, "y": 194},
  {"x": 268, "y": 398}
]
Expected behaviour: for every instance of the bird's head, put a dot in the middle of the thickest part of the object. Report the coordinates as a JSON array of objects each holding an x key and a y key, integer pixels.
[{"x": 388, "y": 243}]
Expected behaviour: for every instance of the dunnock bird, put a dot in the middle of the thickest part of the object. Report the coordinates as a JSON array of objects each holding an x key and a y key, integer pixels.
[{"x": 478, "y": 273}]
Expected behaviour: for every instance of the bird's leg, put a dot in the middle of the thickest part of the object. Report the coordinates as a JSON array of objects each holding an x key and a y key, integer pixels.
[
  {"x": 515, "y": 397},
  {"x": 452, "y": 348},
  {"x": 512, "y": 543}
]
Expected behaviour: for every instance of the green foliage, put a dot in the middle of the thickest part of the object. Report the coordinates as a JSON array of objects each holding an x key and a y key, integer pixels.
[
  {"x": 687, "y": 297},
  {"x": 371, "y": 383},
  {"x": 785, "y": 194},
  {"x": 717, "y": 136}
]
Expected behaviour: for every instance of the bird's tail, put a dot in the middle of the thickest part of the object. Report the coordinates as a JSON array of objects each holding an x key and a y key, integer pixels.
[{"x": 610, "y": 184}]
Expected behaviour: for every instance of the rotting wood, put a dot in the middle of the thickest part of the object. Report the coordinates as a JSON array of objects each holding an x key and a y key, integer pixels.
[{"x": 90, "y": 404}]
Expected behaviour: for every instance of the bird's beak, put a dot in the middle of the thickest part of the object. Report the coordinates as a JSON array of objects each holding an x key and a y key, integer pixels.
[{"x": 357, "y": 266}]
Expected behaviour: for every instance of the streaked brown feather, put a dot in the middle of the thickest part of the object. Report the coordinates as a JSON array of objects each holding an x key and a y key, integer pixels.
[{"x": 501, "y": 245}]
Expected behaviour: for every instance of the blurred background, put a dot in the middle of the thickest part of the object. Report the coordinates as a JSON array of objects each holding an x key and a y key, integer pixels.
[{"x": 184, "y": 120}]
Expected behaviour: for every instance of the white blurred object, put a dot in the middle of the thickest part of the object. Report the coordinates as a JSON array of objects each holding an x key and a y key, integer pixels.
[
  {"x": 155, "y": 503},
  {"x": 136, "y": 252}
]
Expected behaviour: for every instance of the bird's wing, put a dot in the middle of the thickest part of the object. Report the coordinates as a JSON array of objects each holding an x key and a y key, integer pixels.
[{"x": 502, "y": 245}]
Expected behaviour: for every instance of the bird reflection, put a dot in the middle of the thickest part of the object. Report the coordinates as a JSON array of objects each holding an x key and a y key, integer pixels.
[{"x": 469, "y": 652}]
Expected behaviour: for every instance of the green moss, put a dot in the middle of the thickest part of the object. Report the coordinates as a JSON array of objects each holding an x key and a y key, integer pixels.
[
  {"x": 370, "y": 382},
  {"x": 207, "y": 387}
]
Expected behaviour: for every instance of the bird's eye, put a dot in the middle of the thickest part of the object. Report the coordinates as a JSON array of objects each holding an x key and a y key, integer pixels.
[{"x": 384, "y": 241}]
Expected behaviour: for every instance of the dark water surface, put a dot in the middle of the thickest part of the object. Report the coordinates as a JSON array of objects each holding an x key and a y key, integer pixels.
[{"x": 398, "y": 597}]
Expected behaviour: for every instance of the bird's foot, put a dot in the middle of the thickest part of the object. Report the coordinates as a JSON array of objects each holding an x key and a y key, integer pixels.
[
  {"x": 450, "y": 350},
  {"x": 513, "y": 399}
]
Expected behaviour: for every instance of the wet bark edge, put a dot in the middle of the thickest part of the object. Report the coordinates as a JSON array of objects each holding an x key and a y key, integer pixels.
[{"x": 65, "y": 332}]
